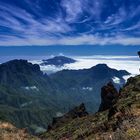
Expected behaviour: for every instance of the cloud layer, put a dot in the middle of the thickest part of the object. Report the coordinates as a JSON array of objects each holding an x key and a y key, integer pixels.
[
  {"x": 129, "y": 63},
  {"x": 69, "y": 22}
]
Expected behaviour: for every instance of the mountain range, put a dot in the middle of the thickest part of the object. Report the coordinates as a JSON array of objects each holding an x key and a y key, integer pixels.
[{"x": 29, "y": 98}]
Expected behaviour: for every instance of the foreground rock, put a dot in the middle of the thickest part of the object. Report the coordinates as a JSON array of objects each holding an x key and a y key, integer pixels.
[{"x": 10, "y": 132}]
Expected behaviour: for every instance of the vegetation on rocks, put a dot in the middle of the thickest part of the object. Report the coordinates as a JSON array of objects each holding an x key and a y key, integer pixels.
[{"x": 121, "y": 121}]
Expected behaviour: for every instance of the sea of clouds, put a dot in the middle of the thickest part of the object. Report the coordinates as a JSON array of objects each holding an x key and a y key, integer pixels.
[{"x": 129, "y": 63}]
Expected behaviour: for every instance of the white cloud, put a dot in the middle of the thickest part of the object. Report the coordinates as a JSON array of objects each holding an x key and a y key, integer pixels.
[
  {"x": 73, "y": 9},
  {"x": 31, "y": 88},
  {"x": 116, "y": 18},
  {"x": 33, "y": 28},
  {"x": 87, "y": 88},
  {"x": 129, "y": 63},
  {"x": 78, "y": 40},
  {"x": 51, "y": 69},
  {"x": 116, "y": 80},
  {"x": 61, "y": 29}
]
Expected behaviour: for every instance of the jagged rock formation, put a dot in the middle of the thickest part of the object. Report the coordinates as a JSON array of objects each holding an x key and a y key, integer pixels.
[
  {"x": 119, "y": 122},
  {"x": 77, "y": 112},
  {"x": 10, "y": 132},
  {"x": 109, "y": 96}
]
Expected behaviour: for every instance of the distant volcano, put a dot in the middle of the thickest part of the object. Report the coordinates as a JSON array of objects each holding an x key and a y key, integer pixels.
[{"x": 58, "y": 61}]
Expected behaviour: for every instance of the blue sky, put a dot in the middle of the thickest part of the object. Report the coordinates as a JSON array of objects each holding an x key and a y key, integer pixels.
[
  {"x": 70, "y": 22},
  {"x": 78, "y": 50}
]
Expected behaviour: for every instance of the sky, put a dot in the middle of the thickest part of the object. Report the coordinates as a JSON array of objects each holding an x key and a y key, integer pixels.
[
  {"x": 69, "y": 22},
  {"x": 92, "y": 31}
]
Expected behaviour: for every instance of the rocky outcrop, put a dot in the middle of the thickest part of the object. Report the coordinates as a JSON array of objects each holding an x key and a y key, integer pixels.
[
  {"x": 109, "y": 95},
  {"x": 77, "y": 112}
]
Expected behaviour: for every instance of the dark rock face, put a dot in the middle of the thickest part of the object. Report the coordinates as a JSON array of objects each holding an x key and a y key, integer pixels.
[
  {"x": 77, "y": 112},
  {"x": 22, "y": 66},
  {"x": 58, "y": 61},
  {"x": 139, "y": 53},
  {"x": 108, "y": 96}
]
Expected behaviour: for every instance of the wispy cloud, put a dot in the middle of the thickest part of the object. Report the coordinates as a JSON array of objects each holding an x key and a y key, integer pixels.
[
  {"x": 78, "y": 40},
  {"x": 21, "y": 20},
  {"x": 116, "y": 18},
  {"x": 72, "y": 8},
  {"x": 70, "y": 22}
]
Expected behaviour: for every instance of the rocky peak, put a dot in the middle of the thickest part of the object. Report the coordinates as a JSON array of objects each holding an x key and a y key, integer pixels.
[
  {"x": 103, "y": 71},
  {"x": 22, "y": 66},
  {"x": 108, "y": 96},
  {"x": 18, "y": 72}
]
